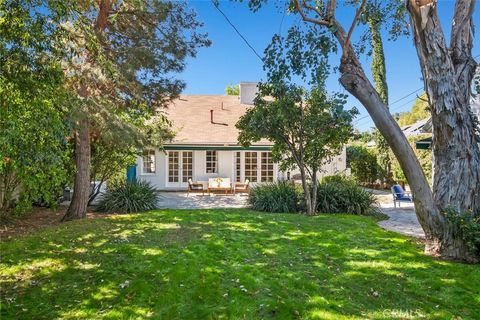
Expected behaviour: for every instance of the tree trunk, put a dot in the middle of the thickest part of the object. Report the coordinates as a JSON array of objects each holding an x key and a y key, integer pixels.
[
  {"x": 354, "y": 80},
  {"x": 314, "y": 191},
  {"x": 448, "y": 74},
  {"x": 306, "y": 192},
  {"x": 81, "y": 191}
]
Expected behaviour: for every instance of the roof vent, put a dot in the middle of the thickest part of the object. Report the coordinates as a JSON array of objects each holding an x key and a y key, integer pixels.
[{"x": 248, "y": 91}]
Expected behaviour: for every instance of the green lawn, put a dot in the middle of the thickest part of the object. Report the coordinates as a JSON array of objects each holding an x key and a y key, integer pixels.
[{"x": 224, "y": 264}]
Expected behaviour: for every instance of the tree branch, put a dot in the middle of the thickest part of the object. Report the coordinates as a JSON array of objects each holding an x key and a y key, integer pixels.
[
  {"x": 307, "y": 18},
  {"x": 354, "y": 23}
]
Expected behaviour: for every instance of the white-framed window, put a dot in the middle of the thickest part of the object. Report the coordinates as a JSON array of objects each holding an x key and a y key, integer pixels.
[
  {"x": 173, "y": 166},
  {"x": 187, "y": 165},
  {"x": 211, "y": 165},
  {"x": 266, "y": 173},
  {"x": 251, "y": 166},
  {"x": 148, "y": 161},
  {"x": 238, "y": 166}
]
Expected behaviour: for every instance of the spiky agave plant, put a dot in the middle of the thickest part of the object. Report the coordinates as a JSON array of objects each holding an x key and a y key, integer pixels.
[
  {"x": 129, "y": 197},
  {"x": 344, "y": 196}
]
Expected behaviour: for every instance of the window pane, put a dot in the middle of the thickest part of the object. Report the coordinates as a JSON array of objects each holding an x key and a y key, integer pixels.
[
  {"x": 251, "y": 160},
  {"x": 173, "y": 166},
  {"x": 267, "y": 167},
  {"x": 237, "y": 164},
  {"x": 211, "y": 162},
  {"x": 148, "y": 161}
]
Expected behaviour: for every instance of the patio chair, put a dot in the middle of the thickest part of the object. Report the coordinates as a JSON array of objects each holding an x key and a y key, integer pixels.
[
  {"x": 195, "y": 187},
  {"x": 399, "y": 195},
  {"x": 242, "y": 187}
]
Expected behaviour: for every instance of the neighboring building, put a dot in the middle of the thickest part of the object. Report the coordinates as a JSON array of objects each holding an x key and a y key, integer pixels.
[
  {"x": 426, "y": 127},
  {"x": 420, "y": 127},
  {"x": 206, "y": 145}
]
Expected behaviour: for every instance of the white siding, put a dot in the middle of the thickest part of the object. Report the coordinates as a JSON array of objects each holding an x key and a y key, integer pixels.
[{"x": 225, "y": 169}]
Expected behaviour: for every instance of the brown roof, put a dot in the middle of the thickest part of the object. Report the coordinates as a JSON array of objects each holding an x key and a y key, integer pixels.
[{"x": 190, "y": 115}]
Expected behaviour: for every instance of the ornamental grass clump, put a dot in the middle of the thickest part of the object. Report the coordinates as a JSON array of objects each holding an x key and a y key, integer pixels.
[
  {"x": 129, "y": 197},
  {"x": 342, "y": 195},
  {"x": 275, "y": 197}
]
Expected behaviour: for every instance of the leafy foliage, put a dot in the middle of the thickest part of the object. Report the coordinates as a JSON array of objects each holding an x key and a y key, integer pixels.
[
  {"x": 343, "y": 195},
  {"x": 307, "y": 130},
  {"x": 423, "y": 156},
  {"x": 233, "y": 90},
  {"x": 419, "y": 111},
  {"x": 34, "y": 108},
  {"x": 129, "y": 197},
  {"x": 363, "y": 164},
  {"x": 468, "y": 225},
  {"x": 275, "y": 197}
]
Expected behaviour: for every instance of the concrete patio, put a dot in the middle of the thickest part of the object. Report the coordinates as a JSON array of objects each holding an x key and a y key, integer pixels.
[{"x": 180, "y": 200}]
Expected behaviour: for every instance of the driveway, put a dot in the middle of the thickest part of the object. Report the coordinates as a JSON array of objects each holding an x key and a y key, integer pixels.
[{"x": 180, "y": 200}]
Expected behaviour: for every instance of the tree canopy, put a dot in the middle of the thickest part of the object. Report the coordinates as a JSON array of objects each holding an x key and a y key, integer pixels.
[{"x": 307, "y": 129}]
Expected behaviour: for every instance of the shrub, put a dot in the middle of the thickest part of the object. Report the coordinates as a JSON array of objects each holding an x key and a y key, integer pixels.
[
  {"x": 363, "y": 163},
  {"x": 129, "y": 197},
  {"x": 275, "y": 197},
  {"x": 343, "y": 195},
  {"x": 468, "y": 225}
]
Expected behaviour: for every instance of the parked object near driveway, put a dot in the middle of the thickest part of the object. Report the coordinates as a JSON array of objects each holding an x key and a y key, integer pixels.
[{"x": 399, "y": 195}]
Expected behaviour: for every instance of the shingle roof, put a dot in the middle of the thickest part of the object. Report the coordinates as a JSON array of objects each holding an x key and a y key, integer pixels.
[{"x": 190, "y": 115}]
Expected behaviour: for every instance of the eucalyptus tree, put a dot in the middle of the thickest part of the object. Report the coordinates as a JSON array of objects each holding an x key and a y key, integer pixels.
[
  {"x": 123, "y": 55},
  {"x": 447, "y": 70}
]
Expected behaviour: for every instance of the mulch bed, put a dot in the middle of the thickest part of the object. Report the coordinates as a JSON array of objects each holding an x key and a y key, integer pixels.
[{"x": 38, "y": 219}]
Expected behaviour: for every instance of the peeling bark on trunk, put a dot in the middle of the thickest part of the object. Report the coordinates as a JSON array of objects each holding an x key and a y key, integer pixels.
[
  {"x": 78, "y": 206},
  {"x": 448, "y": 73},
  {"x": 439, "y": 233}
]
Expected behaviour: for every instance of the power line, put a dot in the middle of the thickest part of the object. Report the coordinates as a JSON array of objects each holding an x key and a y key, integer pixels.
[
  {"x": 236, "y": 30},
  {"x": 402, "y": 98},
  {"x": 396, "y": 101}
]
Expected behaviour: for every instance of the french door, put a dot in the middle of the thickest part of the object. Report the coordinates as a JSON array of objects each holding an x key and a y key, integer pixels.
[{"x": 180, "y": 168}]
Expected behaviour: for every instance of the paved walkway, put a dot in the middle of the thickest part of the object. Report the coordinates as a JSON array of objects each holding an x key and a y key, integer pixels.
[
  {"x": 402, "y": 219},
  {"x": 180, "y": 200}
]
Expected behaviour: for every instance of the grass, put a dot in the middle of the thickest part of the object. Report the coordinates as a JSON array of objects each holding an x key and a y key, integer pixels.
[{"x": 224, "y": 264}]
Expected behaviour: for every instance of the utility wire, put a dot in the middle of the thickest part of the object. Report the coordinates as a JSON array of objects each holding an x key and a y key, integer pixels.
[
  {"x": 402, "y": 98},
  {"x": 236, "y": 30}
]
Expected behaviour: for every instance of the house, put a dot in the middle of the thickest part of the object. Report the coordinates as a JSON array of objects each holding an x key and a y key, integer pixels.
[
  {"x": 206, "y": 145},
  {"x": 426, "y": 143}
]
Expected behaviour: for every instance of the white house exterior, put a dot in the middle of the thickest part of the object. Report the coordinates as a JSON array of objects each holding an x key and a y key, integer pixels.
[{"x": 206, "y": 145}]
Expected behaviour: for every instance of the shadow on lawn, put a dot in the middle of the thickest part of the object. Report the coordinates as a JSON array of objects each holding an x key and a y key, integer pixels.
[{"x": 224, "y": 264}]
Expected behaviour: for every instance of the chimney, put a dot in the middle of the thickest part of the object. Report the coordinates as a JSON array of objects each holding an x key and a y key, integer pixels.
[{"x": 248, "y": 92}]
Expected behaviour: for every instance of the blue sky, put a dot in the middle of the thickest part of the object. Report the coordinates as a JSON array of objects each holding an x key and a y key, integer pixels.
[{"x": 229, "y": 60}]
